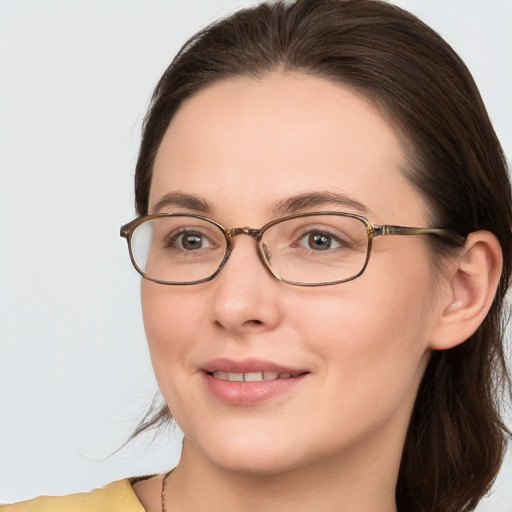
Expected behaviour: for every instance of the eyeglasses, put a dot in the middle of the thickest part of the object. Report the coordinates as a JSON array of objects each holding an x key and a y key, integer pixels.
[{"x": 305, "y": 249}]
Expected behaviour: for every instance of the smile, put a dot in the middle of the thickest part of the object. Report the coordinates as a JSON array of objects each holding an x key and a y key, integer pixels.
[
  {"x": 249, "y": 382},
  {"x": 252, "y": 376}
]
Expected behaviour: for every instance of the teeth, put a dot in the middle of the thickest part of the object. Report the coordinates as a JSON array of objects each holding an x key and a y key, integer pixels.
[{"x": 251, "y": 376}]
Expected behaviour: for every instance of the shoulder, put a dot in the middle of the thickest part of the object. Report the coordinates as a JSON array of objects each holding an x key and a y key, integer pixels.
[{"x": 115, "y": 497}]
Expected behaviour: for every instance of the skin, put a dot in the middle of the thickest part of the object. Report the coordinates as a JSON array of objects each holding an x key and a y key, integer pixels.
[{"x": 333, "y": 441}]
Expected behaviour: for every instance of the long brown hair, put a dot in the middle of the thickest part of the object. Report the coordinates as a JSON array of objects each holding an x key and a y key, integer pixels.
[{"x": 456, "y": 437}]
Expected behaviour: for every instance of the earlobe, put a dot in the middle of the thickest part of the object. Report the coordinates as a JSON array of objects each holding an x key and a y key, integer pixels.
[{"x": 469, "y": 291}]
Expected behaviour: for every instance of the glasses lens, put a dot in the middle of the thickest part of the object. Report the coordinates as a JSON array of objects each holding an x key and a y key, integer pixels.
[
  {"x": 178, "y": 249},
  {"x": 316, "y": 249}
]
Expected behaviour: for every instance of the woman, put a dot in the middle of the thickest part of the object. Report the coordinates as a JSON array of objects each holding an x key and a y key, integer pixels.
[{"x": 303, "y": 371}]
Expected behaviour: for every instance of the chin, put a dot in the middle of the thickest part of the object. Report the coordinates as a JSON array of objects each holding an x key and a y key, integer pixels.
[
  {"x": 256, "y": 453},
  {"x": 263, "y": 464}
]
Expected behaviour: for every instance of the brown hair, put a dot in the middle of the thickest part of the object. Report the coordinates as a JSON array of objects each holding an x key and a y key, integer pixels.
[{"x": 456, "y": 437}]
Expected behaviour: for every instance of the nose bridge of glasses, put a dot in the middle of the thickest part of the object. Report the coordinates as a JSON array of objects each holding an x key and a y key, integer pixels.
[
  {"x": 231, "y": 233},
  {"x": 263, "y": 252}
]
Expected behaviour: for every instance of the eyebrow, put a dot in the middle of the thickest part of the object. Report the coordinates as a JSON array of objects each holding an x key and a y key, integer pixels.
[
  {"x": 285, "y": 207},
  {"x": 182, "y": 200},
  {"x": 310, "y": 200}
]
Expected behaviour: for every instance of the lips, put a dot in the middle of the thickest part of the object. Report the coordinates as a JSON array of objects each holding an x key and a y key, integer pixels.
[{"x": 249, "y": 382}]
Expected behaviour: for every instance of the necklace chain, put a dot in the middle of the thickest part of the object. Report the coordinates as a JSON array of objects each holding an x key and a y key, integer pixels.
[{"x": 162, "y": 495}]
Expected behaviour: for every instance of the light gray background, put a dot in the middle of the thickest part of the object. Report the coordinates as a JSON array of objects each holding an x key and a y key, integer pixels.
[{"x": 75, "y": 78}]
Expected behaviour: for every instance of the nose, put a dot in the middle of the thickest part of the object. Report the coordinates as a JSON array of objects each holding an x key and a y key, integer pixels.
[{"x": 245, "y": 294}]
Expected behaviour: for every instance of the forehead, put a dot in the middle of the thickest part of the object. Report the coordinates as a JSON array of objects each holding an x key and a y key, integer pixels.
[{"x": 250, "y": 142}]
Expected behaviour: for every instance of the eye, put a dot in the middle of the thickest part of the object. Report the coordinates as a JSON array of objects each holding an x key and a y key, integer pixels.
[
  {"x": 189, "y": 241},
  {"x": 319, "y": 241}
]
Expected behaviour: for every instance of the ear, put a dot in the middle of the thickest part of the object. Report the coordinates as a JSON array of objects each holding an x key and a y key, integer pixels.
[{"x": 468, "y": 290}]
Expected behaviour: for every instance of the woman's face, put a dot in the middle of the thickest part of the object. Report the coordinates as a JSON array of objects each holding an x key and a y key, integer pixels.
[{"x": 356, "y": 351}]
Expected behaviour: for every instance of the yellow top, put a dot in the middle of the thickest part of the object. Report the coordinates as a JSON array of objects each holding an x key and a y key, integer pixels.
[{"x": 115, "y": 497}]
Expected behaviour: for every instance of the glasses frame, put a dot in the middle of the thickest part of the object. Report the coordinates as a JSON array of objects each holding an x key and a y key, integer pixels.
[{"x": 372, "y": 230}]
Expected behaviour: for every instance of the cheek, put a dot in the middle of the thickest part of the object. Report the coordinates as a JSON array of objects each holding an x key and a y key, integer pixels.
[
  {"x": 370, "y": 333},
  {"x": 170, "y": 318}
]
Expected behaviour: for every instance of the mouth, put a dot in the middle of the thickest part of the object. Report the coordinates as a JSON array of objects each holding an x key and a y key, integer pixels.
[
  {"x": 249, "y": 382},
  {"x": 254, "y": 376}
]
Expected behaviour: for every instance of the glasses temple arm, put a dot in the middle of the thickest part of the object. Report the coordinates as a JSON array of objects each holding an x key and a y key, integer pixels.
[{"x": 386, "y": 229}]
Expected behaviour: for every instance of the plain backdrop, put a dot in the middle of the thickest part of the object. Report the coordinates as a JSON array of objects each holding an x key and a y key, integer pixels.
[{"x": 75, "y": 79}]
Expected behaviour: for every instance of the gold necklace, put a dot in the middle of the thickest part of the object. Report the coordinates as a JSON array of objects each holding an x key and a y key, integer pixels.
[{"x": 162, "y": 495}]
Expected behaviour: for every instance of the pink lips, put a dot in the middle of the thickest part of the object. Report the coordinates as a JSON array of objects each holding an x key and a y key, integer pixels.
[{"x": 249, "y": 382}]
